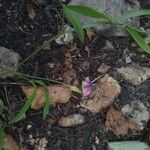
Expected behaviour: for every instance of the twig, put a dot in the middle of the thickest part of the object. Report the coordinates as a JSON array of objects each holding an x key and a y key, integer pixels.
[{"x": 7, "y": 99}]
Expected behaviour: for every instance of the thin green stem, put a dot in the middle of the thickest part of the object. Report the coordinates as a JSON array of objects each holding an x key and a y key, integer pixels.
[
  {"x": 27, "y": 77},
  {"x": 41, "y": 47}
]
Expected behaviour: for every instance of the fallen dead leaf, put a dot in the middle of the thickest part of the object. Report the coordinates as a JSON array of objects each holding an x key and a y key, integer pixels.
[
  {"x": 31, "y": 12},
  {"x": 87, "y": 50},
  {"x": 58, "y": 94},
  {"x": 90, "y": 33},
  {"x": 103, "y": 94},
  {"x": 10, "y": 143},
  {"x": 109, "y": 45},
  {"x": 116, "y": 122}
]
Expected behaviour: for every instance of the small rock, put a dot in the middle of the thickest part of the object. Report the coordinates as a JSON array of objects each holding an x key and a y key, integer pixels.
[
  {"x": 103, "y": 68},
  {"x": 65, "y": 38},
  {"x": 39, "y": 144},
  {"x": 8, "y": 58},
  {"x": 110, "y": 7},
  {"x": 29, "y": 126},
  {"x": 134, "y": 74},
  {"x": 10, "y": 143},
  {"x": 58, "y": 94},
  {"x": 51, "y": 65},
  {"x": 42, "y": 144},
  {"x": 136, "y": 113},
  {"x": 31, "y": 12},
  {"x": 71, "y": 120},
  {"x": 103, "y": 94}
]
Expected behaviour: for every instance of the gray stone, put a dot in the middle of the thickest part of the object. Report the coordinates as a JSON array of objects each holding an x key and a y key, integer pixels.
[
  {"x": 65, "y": 38},
  {"x": 134, "y": 74},
  {"x": 112, "y": 8},
  {"x": 136, "y": 112},
  {"x": 8, "y": 58},
  {"x": 71, "y": 120}
]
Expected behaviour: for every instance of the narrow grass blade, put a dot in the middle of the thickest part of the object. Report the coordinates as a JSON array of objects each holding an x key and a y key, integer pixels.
[
  {"x": 1, "y": 106},
  {"x": 128, "y": 145},
  {"x": 131, "y": 14},
  {"x": 47, "y": 103},
  {"x": 87, "y": 11},
  {"x": 138, "y": 39},
  {"x": 47, "y": 98},
  {"x": 139, "y": 31},
  {"x": 76, "y": 89},
  {"x": 74, "y": 21},
  {"x": 2, "y": 137},
  {"x": 24, "y": 109}
]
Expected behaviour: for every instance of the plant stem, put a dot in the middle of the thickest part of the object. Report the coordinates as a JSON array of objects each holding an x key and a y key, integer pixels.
[
  {"x": 28, "y": 77},
  {"x": 41, "y": 47}
]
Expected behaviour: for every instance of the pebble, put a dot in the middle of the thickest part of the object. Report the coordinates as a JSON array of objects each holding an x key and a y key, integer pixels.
[
  {"x": 134, "y": 74},
  {"x": 8, "y": 58},
  {"x": 65, "y": 38},
  {"x": 10, "y": 143},
  {"x": 71, "y": 120},
  {"x": 136, "y": 112},
  {"x": 104, "y": 94}
]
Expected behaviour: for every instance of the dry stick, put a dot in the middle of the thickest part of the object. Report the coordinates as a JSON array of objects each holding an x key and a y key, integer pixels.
[{"x": 7, "y": 99}]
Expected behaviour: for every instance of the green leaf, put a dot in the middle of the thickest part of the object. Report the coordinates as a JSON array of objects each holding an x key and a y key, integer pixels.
[
  {"x": 130, "y": 14},
  {"x": 87, "y": 11},
  {"x": 47, "y": 103},
  {"x": 139, "y": 31},
  {"x": 128, "y": 145},
  {"x": 74, "y": 21},
  {"x": 88, "y": 25},
  {"x": 47, "y": 98},
  {"x": 2, "y": 138},
  {"x": 75, "y": 89},
  {"x": 1, "y": 106},
  {"x": 27, "y": 105},
  {"x": 138, "y": 39}
]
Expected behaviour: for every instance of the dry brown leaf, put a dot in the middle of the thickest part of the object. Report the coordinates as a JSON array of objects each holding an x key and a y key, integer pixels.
[
  {"x": 109, "y": 45},
  {"x": 58, "y": 93},
  {"x": 116, "y": 122},
  {"x": 31, "y": 12},
  {"x": 90, "y": 33},
  {"x": 87, "y": 50}
]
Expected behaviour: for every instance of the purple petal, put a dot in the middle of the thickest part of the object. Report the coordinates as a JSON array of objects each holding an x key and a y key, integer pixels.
[{"x": 86, "y": 87}]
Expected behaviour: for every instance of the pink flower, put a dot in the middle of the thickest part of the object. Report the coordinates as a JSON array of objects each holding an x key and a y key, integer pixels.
[{"x": 86, "y": 87}]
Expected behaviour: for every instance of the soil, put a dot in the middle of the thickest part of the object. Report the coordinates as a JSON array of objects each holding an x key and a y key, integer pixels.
[{"x": 72, "y": 63}]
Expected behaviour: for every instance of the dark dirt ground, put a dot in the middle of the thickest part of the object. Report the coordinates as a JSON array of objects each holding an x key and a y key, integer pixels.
[{"x": 23, "y": 35}]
